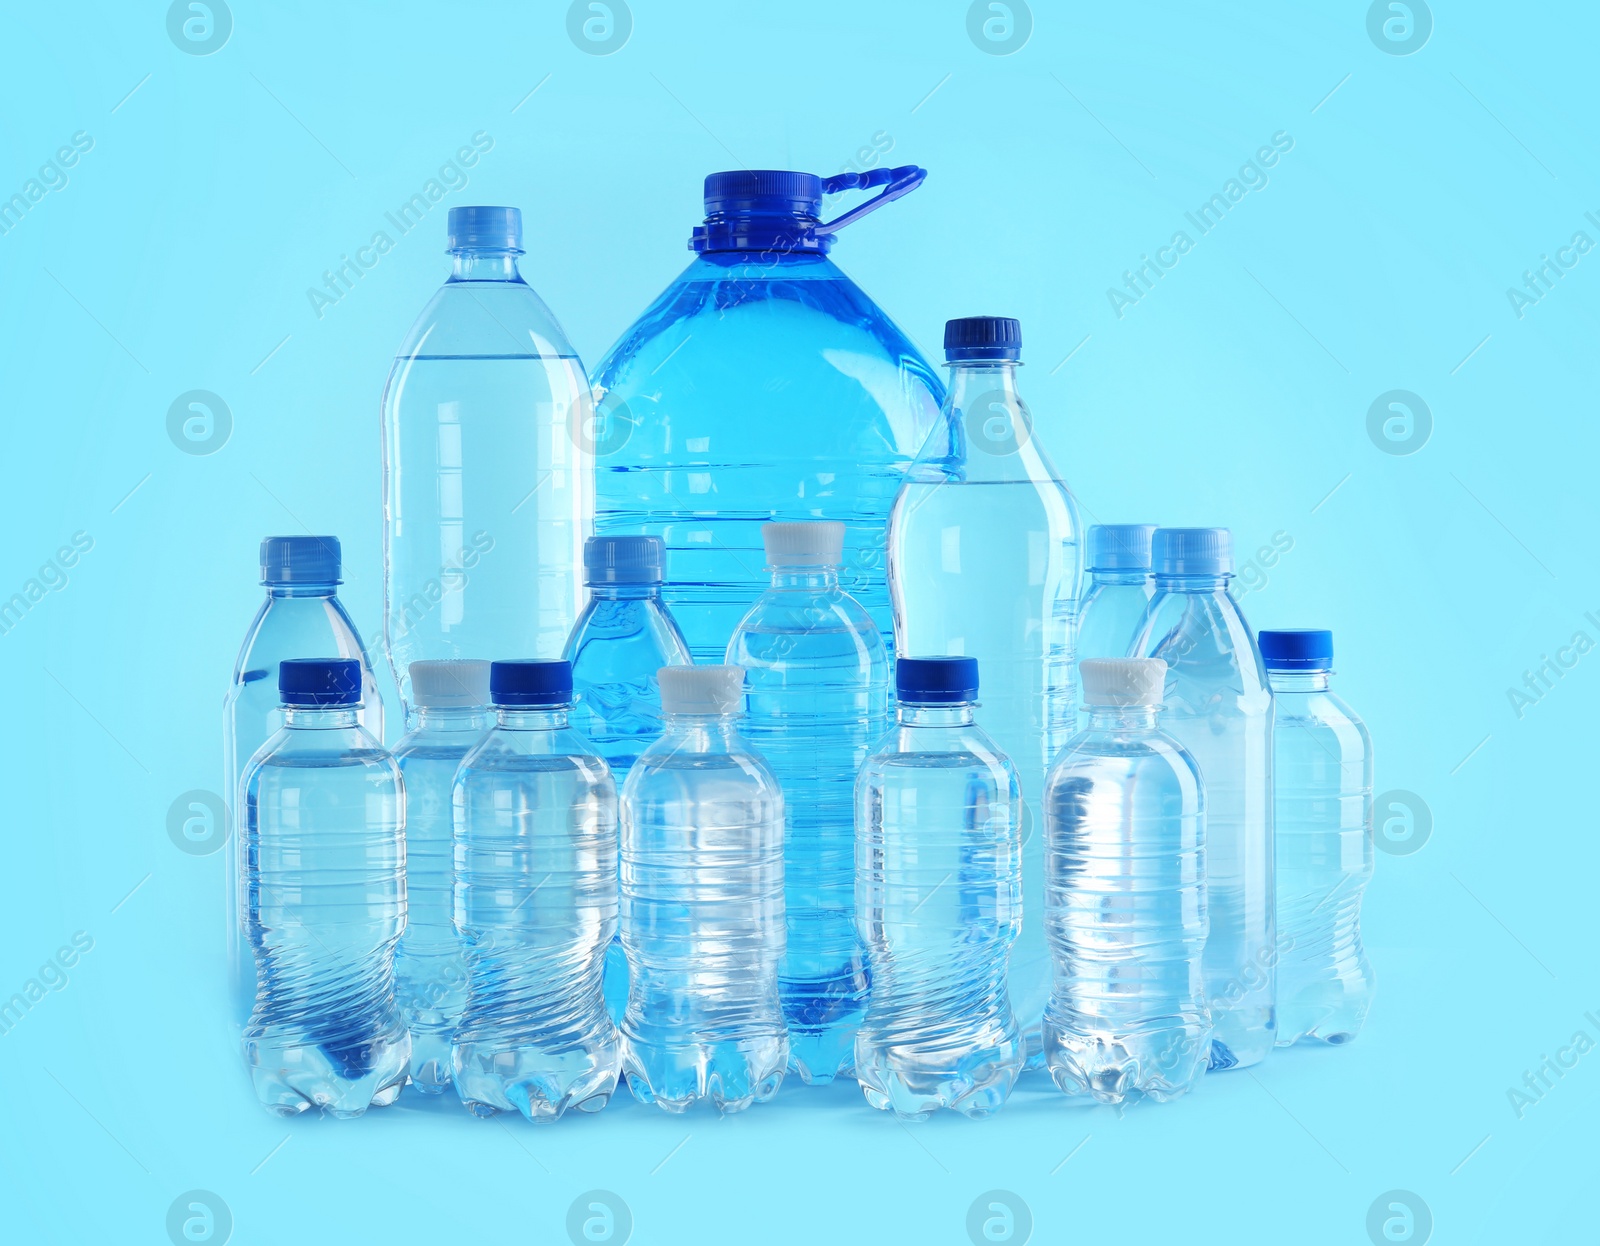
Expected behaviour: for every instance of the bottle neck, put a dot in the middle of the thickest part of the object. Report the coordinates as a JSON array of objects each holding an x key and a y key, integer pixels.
[
  {"x": 320, "y": 717},
  {"x": 624, "y": 592},
  {"x": 471, "y": 264},
  {"x": 1122, "y": 717},
  {"x": 805, "y": 577},
  {"x": 954, "y": 714},
  {"x": 1107, "y": 578},
  {"x": 532, "y": 718},
  {"x": 702, "y": 733},
  {"x": 455, "y": 718},
  {"x": 1192, "y": 583},
  {"x": 280, "y": 591},
  {"x": 1298, "y": 681},
  {"x": 989, "y": 379}
]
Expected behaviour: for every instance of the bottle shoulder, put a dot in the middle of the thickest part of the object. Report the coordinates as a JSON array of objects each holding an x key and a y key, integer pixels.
[
  {"x": 324, "y": 749},
  {"x": 486, "y": 319},
  {"x": 1125, "y": 757},
  {"x": 795, "y": 612},
  {"x": 1206, "y": 643},
  {"x": 504, "y": 751},
  {"x": 1320, "y": 712}
]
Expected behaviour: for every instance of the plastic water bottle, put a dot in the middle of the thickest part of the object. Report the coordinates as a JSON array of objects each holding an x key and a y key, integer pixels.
[
  {"x": 325, "y": 901},
  {"x": 938, "y": 901},
  {"x": 816, "y": 694},
  {"x": 985, "y": 558},
  {"x": 762, "y": 384},
  {"x": 624, "y": 635},
  {"x": 1125, "y": 901},
  {"x": 1322, "y": 771},
  {"x": 301, "y": 617},
  {"x": 702, "y": 905},
  {"x": 535, "y": 904},
  {"x": 488, "y": 469},
  {"x": 430, "y": 971},
  {"x": 1219, "y": 707},
  {"x": 1118, "y": 590}
]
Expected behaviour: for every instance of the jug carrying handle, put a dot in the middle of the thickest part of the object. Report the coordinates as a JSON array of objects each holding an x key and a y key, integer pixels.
[{"x": 895, "y": 182}]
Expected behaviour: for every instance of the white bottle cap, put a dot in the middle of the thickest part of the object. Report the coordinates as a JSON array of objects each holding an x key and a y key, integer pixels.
[
  {"x": 701, "y": 689},
  {"x": 818, "y": 543},
  {"x": 450, "y": 684},
  {"x": 1123, "y": 681}
]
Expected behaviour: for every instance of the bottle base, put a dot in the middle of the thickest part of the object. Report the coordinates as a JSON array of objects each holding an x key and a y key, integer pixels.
[
  {"x": 912, "y": 1090},
  {"x": 732, "y": 1075},
  {"x": 539, "y": 1085},
  {"x": 1159, "y": 1065},
  {"x": 292, "y": 1077}
]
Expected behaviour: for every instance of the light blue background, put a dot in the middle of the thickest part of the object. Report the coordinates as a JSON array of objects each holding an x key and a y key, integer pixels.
[{"x": 1378, "y": 257}]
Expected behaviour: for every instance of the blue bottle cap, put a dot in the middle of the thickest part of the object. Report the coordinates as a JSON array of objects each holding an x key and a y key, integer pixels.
[
  {"x": 300, "y": 560},
  {"x": 1120, "y": 546},
  {"x": 778, "y": 210},
  {"x": 530, "y": 682},
  {"x": 982, "y": 337},
  {"x": 319, "y": 682},
  {"x": 763, "y": 192},
  {"x": 622, "y": 560},
  {"x": 936, "y": 680},
  {"x": 485, "y": 229},
  {"x": 1297, "y": 649},
  {"x": 1192, "y": 551}
]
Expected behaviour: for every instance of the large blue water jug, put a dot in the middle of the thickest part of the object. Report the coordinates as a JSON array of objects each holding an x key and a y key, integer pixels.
[{"x": 763, "y": 384}]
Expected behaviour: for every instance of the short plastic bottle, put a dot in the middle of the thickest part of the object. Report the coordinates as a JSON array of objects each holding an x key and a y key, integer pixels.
[
  {"x": 451, "y": 714},
  {"x": 1322, "y": 773},
  {"x": 1218, "y": 706},
  {"x": 1125, "y": 903},
  {"x": 535, "y": 904},
  {"x": 301, "y": 617},
  {"x": 624, "y": 635},
  {"x": 1119, "y": 589},
  {"x": 702, "y": 905},
  {"x": 324, "y": 888},
  {"x": 938, "y": 901},
  {"x": 816, "y": 697}
]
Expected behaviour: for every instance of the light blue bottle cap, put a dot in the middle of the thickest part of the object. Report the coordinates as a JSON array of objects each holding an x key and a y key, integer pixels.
[
  {"x": 1120, "y": 546},
  {"x": 450, "y": 683},
  {"x": 300, "y": 560},
  {"x": 487, "y": 229},
  {"x": 622, "y": 560},
  {"x": 1192, "y": 551}
]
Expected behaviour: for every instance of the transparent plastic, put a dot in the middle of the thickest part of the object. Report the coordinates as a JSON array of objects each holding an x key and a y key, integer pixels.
[
  {"x": 938, "y": 906},
  {"x": 985, "y": 559},
  {"x": 488, "y": 475},
  {"x": 325, "y": 903},
  {"x": 759, "y": 386},
  {"x": 536, "y": 907},
  {"x": 430, "y": 968},
  {"x": 1109, "y": 617},
  {"x": 702, "y": 919},
  {"x": 1219, "y": 707},
  {"x": 1125, "y": 910},
  {"x": 1322, "y": 770},
  {"x": 816, "y": 691}
]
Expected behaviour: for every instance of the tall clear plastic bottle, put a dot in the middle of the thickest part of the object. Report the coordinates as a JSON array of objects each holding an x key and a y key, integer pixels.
[
  {"x": 488, "y": 473},
  {"x": 535, "y": 904},
  {"x": 1219, "y": 707},
  {"x": 301, "y": 617},
  {"x": 816, "y": 696},
  {"x": 1125, "y": 901},
  {"x": 985, "y": 558},
  {"x": 430, "y": 969},
  {"x": 762, "y": 384},
  {"x": 623, "y": 637},
  {"x": 938, "y": 901},
  {"x": 702, "y": 905},
  {"x": 325, "y": 901},
  {"x": 1118, "y": 590},
  {"x": 1322, "y": 774}
]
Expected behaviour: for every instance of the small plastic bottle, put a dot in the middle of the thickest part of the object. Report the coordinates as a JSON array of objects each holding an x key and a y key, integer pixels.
[
  {"x": 702, "y": 905},
  {"x": 1125, "y": 902},
  {"x": 451, "y": 713},
  {"x": 535, "y": 904},
  {"x": 324, "y": 887},
  {"x": 1322, "y": 770},
  {"x": 938, "y": 901},
  {"x": 1118, "y": 591},
  {"x": 816, "y": 693}
]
